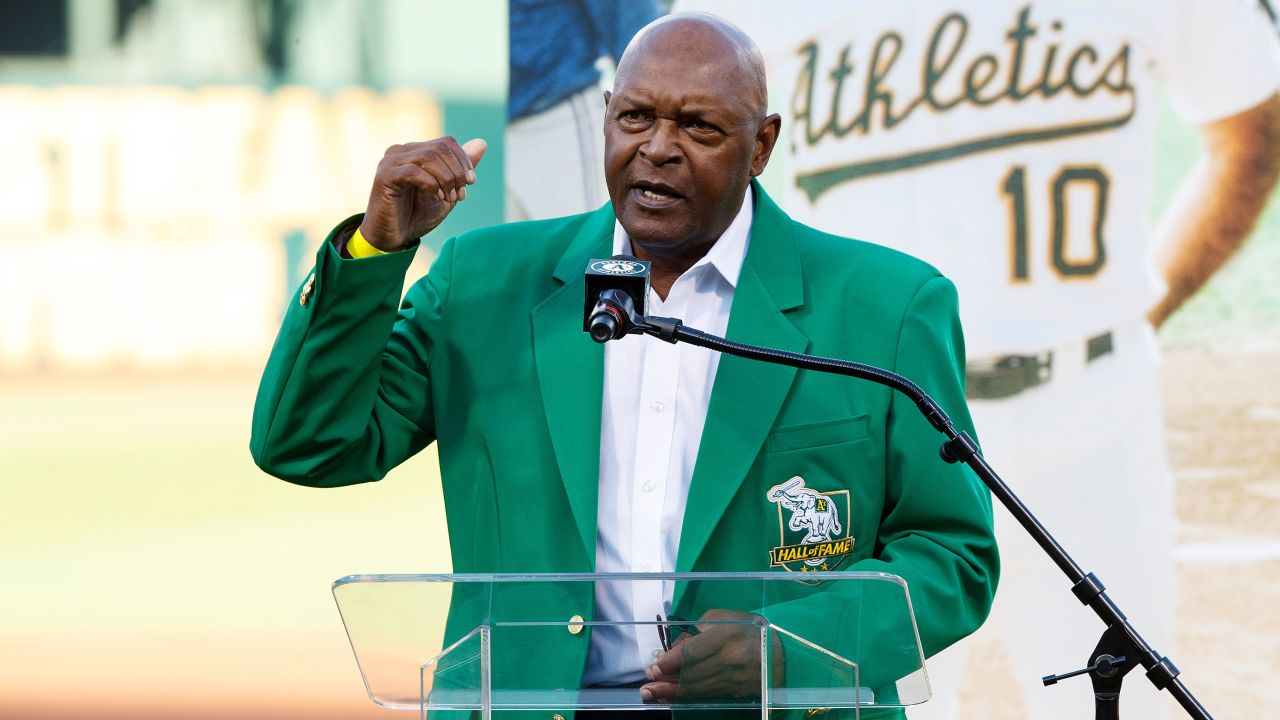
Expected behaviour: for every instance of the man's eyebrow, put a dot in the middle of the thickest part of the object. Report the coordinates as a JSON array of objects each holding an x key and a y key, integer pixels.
[
  {"x": 721, "y": 116},
  {"x": 697, "y": 111},
  {"x": 706, "y": 115}
]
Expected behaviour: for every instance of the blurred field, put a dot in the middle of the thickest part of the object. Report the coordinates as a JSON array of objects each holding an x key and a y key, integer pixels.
[{"x": 150, "y": 570}]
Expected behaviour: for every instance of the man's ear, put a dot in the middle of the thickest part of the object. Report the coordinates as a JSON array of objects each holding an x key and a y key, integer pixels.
[
  {"x": 766, "y": 137},
  {"x": 607, "y": 96}
]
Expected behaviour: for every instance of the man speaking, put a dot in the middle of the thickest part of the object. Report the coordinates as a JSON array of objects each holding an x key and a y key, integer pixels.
[{"x": 561, "y": 455}]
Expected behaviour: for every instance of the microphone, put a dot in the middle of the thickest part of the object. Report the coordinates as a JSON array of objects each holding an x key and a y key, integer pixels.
[{"x": 617, "y": 291}]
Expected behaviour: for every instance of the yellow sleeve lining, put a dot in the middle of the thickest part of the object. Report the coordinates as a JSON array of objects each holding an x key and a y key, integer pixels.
[{"x": 358, "y": 247}]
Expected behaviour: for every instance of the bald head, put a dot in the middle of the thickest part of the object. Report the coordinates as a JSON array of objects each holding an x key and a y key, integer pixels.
[
  {"x": 703, "y": 41},
  {"x": 685, "y": 131}
]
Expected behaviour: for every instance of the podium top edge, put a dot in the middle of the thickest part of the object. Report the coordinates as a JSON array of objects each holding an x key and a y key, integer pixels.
[{"x": 846, "y": 576}]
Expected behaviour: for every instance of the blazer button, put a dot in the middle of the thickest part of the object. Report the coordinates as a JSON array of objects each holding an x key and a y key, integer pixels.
[
  {"x": 557, "y": 716},
  {"x": 575, "y": 627}
]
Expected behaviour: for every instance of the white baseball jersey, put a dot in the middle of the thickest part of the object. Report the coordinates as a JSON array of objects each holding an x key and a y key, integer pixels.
[{"x": 1009, "y": 143}]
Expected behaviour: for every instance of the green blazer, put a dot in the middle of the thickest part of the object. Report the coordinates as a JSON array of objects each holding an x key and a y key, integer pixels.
[{"x": 487, "y": 356}]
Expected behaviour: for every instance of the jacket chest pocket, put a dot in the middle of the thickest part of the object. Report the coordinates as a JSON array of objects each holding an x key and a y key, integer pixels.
[
  {"x": 839, "y": 466},
  {"x": 817, "y": 434}
]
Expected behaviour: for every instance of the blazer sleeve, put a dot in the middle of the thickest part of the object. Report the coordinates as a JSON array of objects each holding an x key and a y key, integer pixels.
[
  {"x": 936, "y": 532},
  {"x": 346, "y": 394}
]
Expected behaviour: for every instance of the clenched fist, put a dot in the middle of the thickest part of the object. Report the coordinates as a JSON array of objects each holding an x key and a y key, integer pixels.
[{"x": 416, "y": 187}]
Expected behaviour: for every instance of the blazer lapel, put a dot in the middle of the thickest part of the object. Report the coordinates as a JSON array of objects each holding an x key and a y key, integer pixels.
[
  {"x": 570, "y": 369},
  {"x": 747, "y": 394}
]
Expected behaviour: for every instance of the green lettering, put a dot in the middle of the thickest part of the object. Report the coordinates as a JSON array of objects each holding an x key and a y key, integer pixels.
[
  {"x": 1119, "y": 65},
  {"x": 841, "y": 71},
  {"x": 979, "y": 76},
  {"x": 803, "y": 111},
  {"x": 1046, "y": 86},
  {"x": 1101, "y": 185},
  {"x": 1018, "y": 37},
  {"x": 877, "y": 70},
  {"x": 945, "y": 84},
  {"x": 1073, "y": 66},
  {"x": 933, "y": 71}
]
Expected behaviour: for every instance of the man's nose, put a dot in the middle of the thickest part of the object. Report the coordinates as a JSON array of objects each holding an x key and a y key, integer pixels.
[{"x": 663, "y": 144}]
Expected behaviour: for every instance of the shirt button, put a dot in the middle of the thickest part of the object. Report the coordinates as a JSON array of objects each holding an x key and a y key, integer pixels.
[
  {"x": 645, "y": 566},
  {"x": 656, "y": 653},
  {"x": 649, "y": 486},
  {"x": 658, "y": 406}
]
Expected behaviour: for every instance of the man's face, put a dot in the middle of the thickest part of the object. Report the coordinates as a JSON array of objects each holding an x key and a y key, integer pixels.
[{"x": 682, "y": 142}]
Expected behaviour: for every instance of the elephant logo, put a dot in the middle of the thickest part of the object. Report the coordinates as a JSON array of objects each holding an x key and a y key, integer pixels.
[
  {"x": 815, "y": 541},
  {"x": 618, "y": 267}
]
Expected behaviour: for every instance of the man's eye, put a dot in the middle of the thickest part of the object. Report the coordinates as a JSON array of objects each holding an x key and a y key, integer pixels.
[
  {"x": 633, "y": 116},
  {"x": 700, "y": 126}
]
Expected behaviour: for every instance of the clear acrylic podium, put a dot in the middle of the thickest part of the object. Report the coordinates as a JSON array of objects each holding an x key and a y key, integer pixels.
[{"x": 479, "y": 644}]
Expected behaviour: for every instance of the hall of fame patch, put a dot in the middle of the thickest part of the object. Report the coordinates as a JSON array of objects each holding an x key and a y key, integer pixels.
[{"x": 817, "y": 535}]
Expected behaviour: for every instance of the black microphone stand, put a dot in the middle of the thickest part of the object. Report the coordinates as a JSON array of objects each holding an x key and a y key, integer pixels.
[{"x": 1120, "y": 645}]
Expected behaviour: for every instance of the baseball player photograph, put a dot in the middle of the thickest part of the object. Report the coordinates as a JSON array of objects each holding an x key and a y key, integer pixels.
[{"x": 1013, "y": 144}]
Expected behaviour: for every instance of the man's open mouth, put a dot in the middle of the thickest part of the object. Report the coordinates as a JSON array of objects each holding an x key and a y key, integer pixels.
[{"x": 655, "y": 195}]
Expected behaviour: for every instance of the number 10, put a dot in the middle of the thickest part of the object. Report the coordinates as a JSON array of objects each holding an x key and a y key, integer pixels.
[{"x": 1015, "y": 189}]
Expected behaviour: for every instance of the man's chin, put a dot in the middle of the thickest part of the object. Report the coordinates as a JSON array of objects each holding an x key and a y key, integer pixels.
[{"x": 654, "y": 239}]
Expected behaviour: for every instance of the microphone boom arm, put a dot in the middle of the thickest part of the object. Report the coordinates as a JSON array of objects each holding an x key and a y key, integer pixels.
[{"x": 1120, "y": 636}]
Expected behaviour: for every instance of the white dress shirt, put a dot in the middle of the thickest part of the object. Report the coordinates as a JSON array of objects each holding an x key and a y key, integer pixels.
[{"x": 655, "y": 404}]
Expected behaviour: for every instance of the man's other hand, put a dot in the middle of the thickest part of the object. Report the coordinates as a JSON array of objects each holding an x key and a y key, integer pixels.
[
  {"x": 416, "y": 187},
  {"x": 721, "y": 662}
]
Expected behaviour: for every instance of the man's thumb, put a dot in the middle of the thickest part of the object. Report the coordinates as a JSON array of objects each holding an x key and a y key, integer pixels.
[{"x": 475, "y": 150}]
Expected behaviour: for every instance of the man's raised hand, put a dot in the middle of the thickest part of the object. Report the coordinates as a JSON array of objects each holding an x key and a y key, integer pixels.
[{"x": 416, "y": 187}]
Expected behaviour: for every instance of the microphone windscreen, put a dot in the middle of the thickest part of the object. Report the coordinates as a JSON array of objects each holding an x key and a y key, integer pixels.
[{"x": 621, "y": 272}]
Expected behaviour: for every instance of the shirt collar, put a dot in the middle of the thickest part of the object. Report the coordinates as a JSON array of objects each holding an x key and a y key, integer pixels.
[{"x": 728, "y": 252}]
